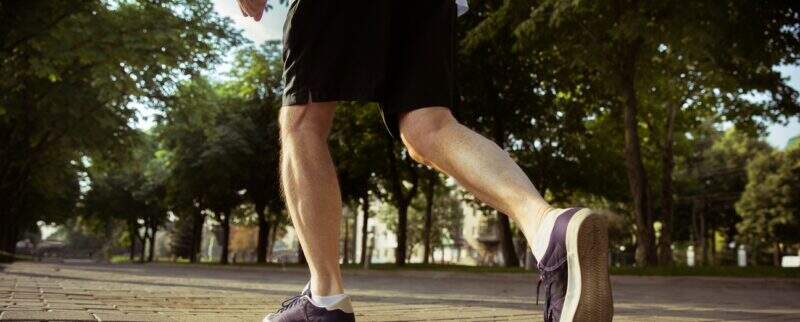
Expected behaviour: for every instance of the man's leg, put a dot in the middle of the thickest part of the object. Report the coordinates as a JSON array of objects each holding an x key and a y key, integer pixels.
[
  {"x": 309, "y": 183},
  {"x": 577, "y": 287},
  {"x": 433, "y": 137}
]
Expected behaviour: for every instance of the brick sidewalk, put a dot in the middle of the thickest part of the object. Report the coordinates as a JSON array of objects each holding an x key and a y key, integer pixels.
[{"x": 164, "y": 292}]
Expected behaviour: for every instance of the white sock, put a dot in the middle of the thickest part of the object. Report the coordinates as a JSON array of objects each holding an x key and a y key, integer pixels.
[
  {"x": 324, "y": 301},
  {"x": 542, "y": 237},
  {"x": 327, "y": 301}
]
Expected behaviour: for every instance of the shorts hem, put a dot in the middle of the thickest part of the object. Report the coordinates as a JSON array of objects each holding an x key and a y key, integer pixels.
[{"x": 303, "y": 96}]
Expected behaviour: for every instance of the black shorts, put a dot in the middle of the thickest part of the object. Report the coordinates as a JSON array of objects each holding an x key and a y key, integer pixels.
[{"x": 399, "y": 54}]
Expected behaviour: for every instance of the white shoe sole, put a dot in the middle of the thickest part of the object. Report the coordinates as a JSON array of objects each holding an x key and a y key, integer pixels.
[{"x": 588, "y": 286}]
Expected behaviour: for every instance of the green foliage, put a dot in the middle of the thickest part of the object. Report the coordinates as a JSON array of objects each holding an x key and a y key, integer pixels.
[
  {"x": 447, "y": 215},
  {"x": 227, "y": 131},
  {"x": 631, "y": 62},
  {"x": 73, "y": 73},
  {"x": 715, "y": 175},
  {"x": 131, "y": 193},
  {"x": 770, "y": 204},
  {"x": 357, "y": 138}
]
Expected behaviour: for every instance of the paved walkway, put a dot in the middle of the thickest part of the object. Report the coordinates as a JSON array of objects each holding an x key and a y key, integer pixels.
[{"x": 166, "y": 292}]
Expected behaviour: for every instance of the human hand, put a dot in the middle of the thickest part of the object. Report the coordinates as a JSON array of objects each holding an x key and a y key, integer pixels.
[{"x": 252, "y": 8}]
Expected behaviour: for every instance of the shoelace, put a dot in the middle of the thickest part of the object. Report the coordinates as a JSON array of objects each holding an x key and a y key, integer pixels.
[
  {"x": 548, "y": 315},
  {"x": 292, "y": 301},
  {"x": 546, "y": 277}
]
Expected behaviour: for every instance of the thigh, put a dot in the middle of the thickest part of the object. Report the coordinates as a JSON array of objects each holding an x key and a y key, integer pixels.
[
  {"x": 335, "y": 50},
  {"x": 421, "y": 63}
]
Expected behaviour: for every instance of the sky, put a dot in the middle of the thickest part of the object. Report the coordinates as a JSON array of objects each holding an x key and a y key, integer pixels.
[{"x": 271, "y": 27}]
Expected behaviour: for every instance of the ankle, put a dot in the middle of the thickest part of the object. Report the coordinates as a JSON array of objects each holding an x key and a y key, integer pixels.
[
  {"x": 532, "y": 218},
  {"x": 325, "y": 285}
]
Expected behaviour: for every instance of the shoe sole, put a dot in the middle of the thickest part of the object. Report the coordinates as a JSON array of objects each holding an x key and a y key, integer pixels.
[{"x": 588, "y": 285}]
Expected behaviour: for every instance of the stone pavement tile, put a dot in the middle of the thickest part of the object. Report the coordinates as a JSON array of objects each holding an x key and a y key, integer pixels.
[
  {"x": 26, "y": 296},
  {"x": 51, "y": 296},
  {"x": 25, "y": 308},
  {"x": 47, "y": 316},
  {"x": 63, "y": 306},
  {"x": 453, "y": 314},
  {"x": 139, "y": 311},
  {"x": 29, "y": 304},
  {"x": 121, "y": 317},
  {"x": 66, "y": 300},
  {"x": 214, "y": 318},
  {"x": 114, "y": 311}
]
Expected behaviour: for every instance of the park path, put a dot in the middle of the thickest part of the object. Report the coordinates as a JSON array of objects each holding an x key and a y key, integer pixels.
[{"x": 173, "y": 292}]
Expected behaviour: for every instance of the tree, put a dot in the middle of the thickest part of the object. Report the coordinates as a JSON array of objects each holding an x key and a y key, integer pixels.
[
  {"x": 436, "y": 216},
  {"x": 129, "y": 190},
  {"x": 630, "y": 36},
  {"x": 71, "y": 71},
  {"x": 512, "y": 97},
  {"x": 256, "y": 98},
  {"x": 770, "y": 205},
  {"x": 431, "y": 181},
  {"x": 183, "y": 133},
  {"x": 403, "y": 182},
  {"x": 355, "y": 142}
]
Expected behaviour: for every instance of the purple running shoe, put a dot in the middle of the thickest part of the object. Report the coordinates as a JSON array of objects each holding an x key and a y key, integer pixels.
[
  {"x": 574, "y": 269},
  {"x": 299, "y": 308}
]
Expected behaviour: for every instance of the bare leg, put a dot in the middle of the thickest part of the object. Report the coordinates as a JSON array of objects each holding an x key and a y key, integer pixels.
[
  {"x": 309, "y": 183},
  {"x": 435, "y": 138}
]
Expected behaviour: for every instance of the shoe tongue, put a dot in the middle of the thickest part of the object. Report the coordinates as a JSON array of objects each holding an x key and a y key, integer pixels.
[{"x": 307, "y": 290}]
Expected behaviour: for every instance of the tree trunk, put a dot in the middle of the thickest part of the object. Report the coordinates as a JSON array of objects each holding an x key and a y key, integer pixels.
[
  {"x": 153, "y": 231},
  {"x": 429, "y": 189},
  {"x": 777, "y": 254},
  {"x": 402, "y": 227},
  {"x": 132, "y": 250},
  {"x": 507, "y": 248},
  {"x": 133, "y": 237},
  {"x": 637, "y": 178},
  {"x": 226, "y": 233},
  {"x": 346, "y": 244},
  {"x": 263, "y": 233},
  {"x": 695, "y": 228},
  {"x": 364, "y": 228},
  {"x": 354, "y": 243},
  {"x": 12, "y": 191},
  {"x": 8, "y": 236},
  {"x": 712, "y": 246},
  {"x": 700, "y": 235},
  {"x": 197, "y": 235},
  {"x": 301, "y": 256},
  {"x": 402, "y": 201},
  {"x": 143, "y": 239},
  {"x": 272, "y": 235},
  {"x": 667, "y": 166}
]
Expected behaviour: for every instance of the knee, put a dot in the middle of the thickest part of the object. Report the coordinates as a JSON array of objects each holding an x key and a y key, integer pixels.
[
  {"x": 421, "y": 130},
  {"x": 305, "y": 122}
]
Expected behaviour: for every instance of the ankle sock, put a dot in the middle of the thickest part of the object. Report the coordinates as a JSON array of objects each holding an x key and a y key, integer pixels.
[
  {"x": 328, "y": 300},
  {"x": 542, "y": 237},
  {"x": 324, "y": 301}
]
